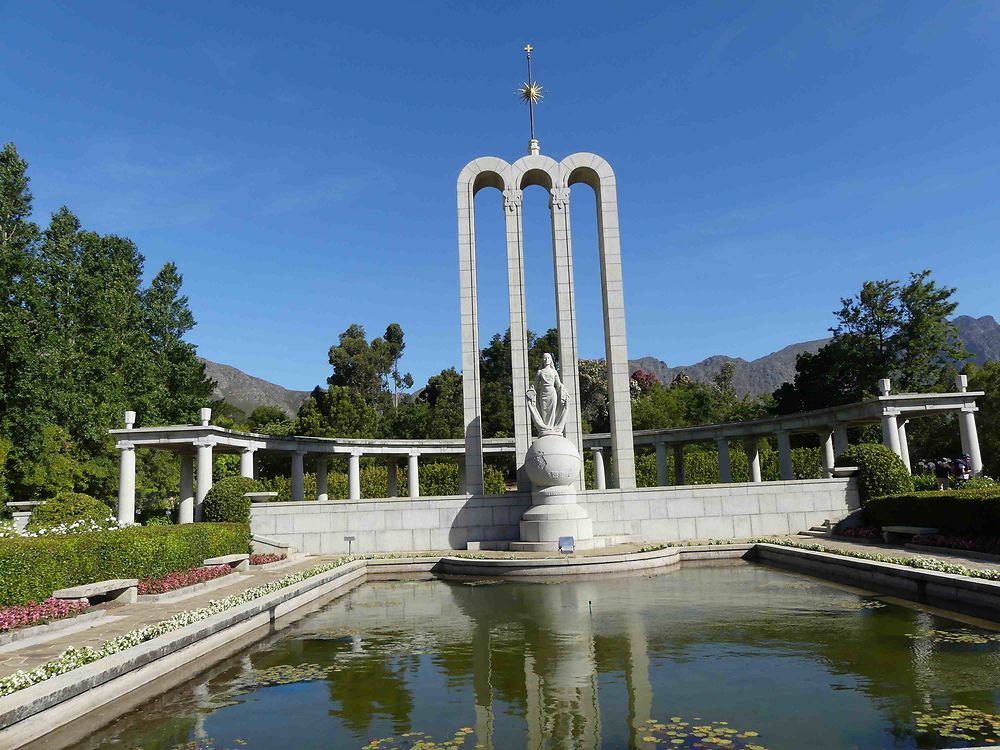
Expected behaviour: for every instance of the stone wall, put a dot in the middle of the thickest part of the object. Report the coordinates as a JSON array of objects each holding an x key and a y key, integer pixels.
[{"x": 652, "y": 514}]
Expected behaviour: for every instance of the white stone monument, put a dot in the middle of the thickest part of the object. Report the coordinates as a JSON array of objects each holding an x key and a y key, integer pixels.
[{"x": 552, "y": 463}]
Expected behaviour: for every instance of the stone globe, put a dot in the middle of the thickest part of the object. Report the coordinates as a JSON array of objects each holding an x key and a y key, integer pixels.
[{"x": 552, "y": 461}]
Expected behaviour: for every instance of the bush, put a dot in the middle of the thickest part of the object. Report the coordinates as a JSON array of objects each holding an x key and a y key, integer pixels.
[
  {"x": 924, "y": 482},
  {"x": 159, "y": 509},
  {"x": 225, "y": 503},
  {"x": 31, "y": 569},
  {"x": 880, "y": 471},
  {"x": 67, "y": 507},
  {"x": 968, "y": 512}
]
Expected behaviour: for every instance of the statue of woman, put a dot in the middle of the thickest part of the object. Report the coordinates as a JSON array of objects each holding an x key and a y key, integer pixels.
[{"x": 547, "y": 399}]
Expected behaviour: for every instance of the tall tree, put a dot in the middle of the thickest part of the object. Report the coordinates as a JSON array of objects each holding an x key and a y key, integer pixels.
[
  {"x": 888, "y": 330},
  {"x": 367, "y": 368}
]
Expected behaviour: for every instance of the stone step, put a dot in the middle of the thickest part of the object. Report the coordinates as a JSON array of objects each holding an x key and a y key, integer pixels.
[{"x": 816, "y": 532}]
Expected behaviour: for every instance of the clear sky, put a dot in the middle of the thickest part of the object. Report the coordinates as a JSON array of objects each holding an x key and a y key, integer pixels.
[{"x": 298, "y": 160}]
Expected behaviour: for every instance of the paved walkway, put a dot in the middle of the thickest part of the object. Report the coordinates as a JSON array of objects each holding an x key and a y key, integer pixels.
[{"x": 30, "y": 653}]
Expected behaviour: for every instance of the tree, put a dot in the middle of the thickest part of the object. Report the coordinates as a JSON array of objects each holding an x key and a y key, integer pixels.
[
  {"x": 336, "y": 412},
  {"x": 367, "y": 368},
  {"x": 262, "y": 416},
  {"x": 443, "y": 397},
  {"x": 888, "y": 330}
]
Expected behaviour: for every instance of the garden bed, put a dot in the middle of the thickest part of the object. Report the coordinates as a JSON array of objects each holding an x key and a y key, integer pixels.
[
  {"x": 266, "y": 559},
  {"x": 182, "y": 579},
  {"x": 27, "y": 615}
]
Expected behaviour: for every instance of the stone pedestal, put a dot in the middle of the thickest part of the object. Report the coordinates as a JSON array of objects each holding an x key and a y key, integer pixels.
[{"x": 553, "y": 464}]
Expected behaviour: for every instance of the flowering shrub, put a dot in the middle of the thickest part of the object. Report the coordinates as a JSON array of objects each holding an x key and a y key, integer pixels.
[
  {"x": 80, "y": 526},
  {"x": 68, "y": 507},
  {"x": 861, "y": 532},
  {"x": 36, "y": 613},
  {"x": 989, "y": 544},
  {"x": 72, "y": 658},
  {"x": 265, "y": 559},
  {"x": 172, "y": 581}
]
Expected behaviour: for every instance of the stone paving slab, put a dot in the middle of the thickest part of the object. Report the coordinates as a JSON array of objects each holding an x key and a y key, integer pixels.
[{"x": 895, "y": 550}]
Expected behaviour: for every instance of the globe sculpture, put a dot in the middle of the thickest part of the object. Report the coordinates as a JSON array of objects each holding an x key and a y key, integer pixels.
[{"x": 553, "y": 465}]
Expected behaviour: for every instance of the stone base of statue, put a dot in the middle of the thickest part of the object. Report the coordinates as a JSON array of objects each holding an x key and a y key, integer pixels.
[{"x": 553, "y": 464}]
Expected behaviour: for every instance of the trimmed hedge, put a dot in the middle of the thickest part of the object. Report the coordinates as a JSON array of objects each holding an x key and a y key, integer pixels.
[
  {"x": 225, "y": 503},
  {"x": 31, "y": 569},
  {"x": 965, "y": 512},
  {"x": 67, "y": 507},
  {"x": 880, "y": 471}
]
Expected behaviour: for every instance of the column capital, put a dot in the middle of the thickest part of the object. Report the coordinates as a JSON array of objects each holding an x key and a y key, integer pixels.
[
  {"x": 970, "y": 409},
  {"x": 249, "y": 449},
  {"x": 559, "y": 198},
  {"x": 204, "y": 442},
  {"x": 890, "y": 411},
  {"x": 511, "y": 199},
  {"x": 125, "y": 445},
  {"x": 356, "y": 453}
]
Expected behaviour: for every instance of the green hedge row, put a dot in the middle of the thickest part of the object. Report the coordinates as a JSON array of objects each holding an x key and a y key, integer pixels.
[
  {"x": 31, "y": 569},
  {"x": 964, "y": 512}
]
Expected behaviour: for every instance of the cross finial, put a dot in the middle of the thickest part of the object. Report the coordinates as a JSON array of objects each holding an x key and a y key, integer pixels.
[{"x": 531, "y": 94}]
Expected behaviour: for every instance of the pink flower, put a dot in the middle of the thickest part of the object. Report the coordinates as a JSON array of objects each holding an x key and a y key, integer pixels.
[
  {"x": 265, "y": 559},
  {"x": 36, "y": 613},
  {"x": 180, "y": 579}
]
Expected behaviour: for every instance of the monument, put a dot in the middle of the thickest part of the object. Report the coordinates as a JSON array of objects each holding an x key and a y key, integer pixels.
[{"x": 548, "y": 409}]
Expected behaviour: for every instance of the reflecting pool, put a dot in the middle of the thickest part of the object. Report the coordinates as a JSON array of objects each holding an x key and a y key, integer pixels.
[{"x": 735, "y": 656}]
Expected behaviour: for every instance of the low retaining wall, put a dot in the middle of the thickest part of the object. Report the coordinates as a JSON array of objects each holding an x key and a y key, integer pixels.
[{"x": 647, "y": 514}]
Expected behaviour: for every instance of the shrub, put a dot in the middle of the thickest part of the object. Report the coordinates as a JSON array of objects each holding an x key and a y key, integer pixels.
[
  {"x": 972, "y": 512},
  {"x": 31, "y": 569},
  {"x": 923, "y": 482},
  {"x": 880, "y": 471},
  {"x": 157, "y": 509},
  {"x": 225, "y": 503},
  {"x": 67, "y": 507}
]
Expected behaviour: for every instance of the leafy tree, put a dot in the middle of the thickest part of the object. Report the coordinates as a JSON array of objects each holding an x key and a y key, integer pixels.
[
  {"x": 336, "y": 412},
  {"x": 265, "y": 415},
  {"x": 367, "y": 368},
  {"x": 987, "y": 378},
  {"x": 890, "y": 330},
  {"x": 594, "y": 395},
  {"x": 443, "y": 397}
]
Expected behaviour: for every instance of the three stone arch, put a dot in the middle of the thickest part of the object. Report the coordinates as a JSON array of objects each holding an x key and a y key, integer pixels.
[{"x": 557, "y": 178}]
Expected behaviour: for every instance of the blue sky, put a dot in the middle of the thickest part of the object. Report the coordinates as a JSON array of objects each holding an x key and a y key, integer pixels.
[{"x": 298, "y": 161}]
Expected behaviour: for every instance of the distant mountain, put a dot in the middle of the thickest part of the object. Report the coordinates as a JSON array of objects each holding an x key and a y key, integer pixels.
[
  {"x": 246, "y": 392},
  {"x": 764, "y": 375}
]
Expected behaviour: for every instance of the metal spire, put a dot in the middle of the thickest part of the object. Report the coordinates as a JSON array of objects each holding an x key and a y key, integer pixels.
[{"x": 531, "y": 93}]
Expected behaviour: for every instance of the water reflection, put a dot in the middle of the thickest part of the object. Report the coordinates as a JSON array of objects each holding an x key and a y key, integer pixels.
[{"x": 723, "y": 657}]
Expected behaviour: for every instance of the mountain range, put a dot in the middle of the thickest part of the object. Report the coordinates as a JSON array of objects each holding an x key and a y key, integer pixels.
[{"x": 762, "y": 375}]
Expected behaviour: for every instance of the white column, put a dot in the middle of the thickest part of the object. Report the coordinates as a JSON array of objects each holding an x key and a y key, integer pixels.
[
  {"x": 354, "y": 476},
  {"x": 322, "y": 485},
  {"x": 600, "y": 481},
  {"x": 970, "y": 438},
  {"x": 840, "y": 440},
  {"x": 185, "y": 511},
  {"x": 753, "y": 458},
  {"x": 204, "y": 475},
  {"x": 678, "y": 464},
  {"x": 785, "y": 456},
  {"x": 391, "y": 481},
  {"x": 469, "y": 309},
  {"x": 890, "y": 431},
  {"x": 662, "y": 475},
  {"x": 413, "y": 474},
  {"x": 520, "y": 377},
  {"x": 246, "y": 462},
  {"x": 126, "y": 483},
  {"x": 904, "y": 445},
  {"x": 725, "y": 464},
  {"x": 298, "y": 477},
  {"x": 826, "y": 452}
]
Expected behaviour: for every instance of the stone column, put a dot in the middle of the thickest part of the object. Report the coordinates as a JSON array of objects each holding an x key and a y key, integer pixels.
[
  {"x": 246, "y": 462},
  {"x": 827, "y": 452},
  {"x": 904, "y": 444},
  {"x": 298, "y": 477},
  {"x": 562, "y": 259},
  {"x": 970, "y": 438},
  {"x": 354, "y": 476},
  {"x": 725, "y": 465},
  {"x": 600, "y": 481},
  {"x": 678, "y": 464},
  {"x": 126, "y": 482},
  {"x": 750, "y": 445},
  {"x": 840, "y": 440},
  {"x": 391, "y": 482},
  {"x": 662, "y": 473},
  {"x": 205, "y": 462},
  {"x": 413, "y": 474},
  {"x": 322, "y": 484},
  {"x": 785, "y": 456},
  {"x": 890, "y": 431},
  {"x": 185, "y": 511},
  {"x": 520, "y": 376}
]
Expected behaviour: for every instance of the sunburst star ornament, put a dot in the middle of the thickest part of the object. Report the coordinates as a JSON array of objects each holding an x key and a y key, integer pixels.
[{"x": 530, "y": 92}]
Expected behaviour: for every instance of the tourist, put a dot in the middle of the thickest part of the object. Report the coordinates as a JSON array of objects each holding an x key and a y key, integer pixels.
[{"x": 942, "y": 471}]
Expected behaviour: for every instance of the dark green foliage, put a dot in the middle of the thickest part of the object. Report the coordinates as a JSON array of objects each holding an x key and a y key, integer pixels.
[
  {"x": 964, "y": 512},
  {"x": 225, "y": 503},
  {"x": 67, "y": 507},
  {"x": 880, "y": 471},
  {"x": 890, "y": 330},
  {"x": 31, "y": 569}
]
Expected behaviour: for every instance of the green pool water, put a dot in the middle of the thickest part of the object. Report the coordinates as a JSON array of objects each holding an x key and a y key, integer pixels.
[{"x": 737, "y": 656}]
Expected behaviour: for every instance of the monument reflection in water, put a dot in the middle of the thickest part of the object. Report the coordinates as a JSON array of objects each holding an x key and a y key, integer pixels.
[{"x": 773, "y": 659}]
